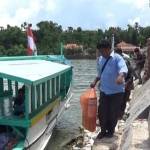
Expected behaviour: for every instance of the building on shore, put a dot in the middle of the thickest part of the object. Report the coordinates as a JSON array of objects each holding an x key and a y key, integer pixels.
[{"x": 126, "y": 47}]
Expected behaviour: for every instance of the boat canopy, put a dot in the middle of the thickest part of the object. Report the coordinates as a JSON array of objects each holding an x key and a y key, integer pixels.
[
  {"x": 45, "y": 83},
  {"x": 30, "y": 71},
  {"x": 32, "y": 89}
]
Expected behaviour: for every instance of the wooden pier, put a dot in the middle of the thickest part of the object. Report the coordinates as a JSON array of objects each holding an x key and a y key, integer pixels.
[{"x": 133, "y": 133}]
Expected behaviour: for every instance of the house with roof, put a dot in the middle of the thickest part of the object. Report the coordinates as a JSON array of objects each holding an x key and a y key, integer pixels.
[{"x": 127, "y": 48}]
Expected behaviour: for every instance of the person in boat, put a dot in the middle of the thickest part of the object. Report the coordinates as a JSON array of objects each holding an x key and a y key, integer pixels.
[
  {"x": 129, "y": 85},
  {"x": 19, "y": 106},
  {"x": 112, "y": 71},
  {"x": 139, "y": 60}
]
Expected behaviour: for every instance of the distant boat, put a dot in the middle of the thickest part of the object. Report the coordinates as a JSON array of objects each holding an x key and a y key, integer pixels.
[{"x": 46, "y": 81}]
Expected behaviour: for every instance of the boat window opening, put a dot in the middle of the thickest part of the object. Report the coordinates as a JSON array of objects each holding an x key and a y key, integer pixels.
[
  {"x": 9, "y": 85},
  {"x": 65, "y": 83},
  {"x": 19, "y": 98},
  {"x": 50, "y": 90},
  {"x": 10, "y": 103},
  {"x": 57, "y": 85},
  {"x": 38, "y": 95},
  {"x": 5, "y": 85},
  {"x": 29, "y": 103},
  {"x": 43, "y": 93},
  {"x": 16, "y": 88},
  {"x": 63, "y": 88},
  {"x": 33, "y": 100},
  {"x": 1, "y": 86},
  {"x": 6, "y": 106},
  {"x": 53, "y": 87},
  {"x": 65, "y": 79},
  {"x": 68, "y": 79},
  {"x": 62, "y": 84}
]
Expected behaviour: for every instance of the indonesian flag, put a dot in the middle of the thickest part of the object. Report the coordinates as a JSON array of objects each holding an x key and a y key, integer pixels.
[{"x": 31, "y": 50}]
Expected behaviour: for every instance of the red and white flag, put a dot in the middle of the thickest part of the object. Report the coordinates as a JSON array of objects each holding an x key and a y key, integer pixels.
[{"x": 31, "y": 50}]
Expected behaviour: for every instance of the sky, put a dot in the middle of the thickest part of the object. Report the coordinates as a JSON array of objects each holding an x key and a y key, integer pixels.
[{"x": 87, "y": 14}]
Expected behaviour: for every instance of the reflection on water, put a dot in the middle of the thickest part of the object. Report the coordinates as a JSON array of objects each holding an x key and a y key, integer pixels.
[{"x": 68, "y": 126}]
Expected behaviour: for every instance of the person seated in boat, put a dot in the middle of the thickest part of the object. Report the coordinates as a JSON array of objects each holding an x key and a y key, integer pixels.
[{"x": 19, "y": 106}]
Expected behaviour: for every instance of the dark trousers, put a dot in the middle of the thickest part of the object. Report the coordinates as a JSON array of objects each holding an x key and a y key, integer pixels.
[
  {"x": 137, "y": 73},
  {"x": 124, "y": 102},
  {"x": 109, "y": 110}
]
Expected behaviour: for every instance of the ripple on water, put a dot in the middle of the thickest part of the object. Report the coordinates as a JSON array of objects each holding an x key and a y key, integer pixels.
[{"x": 84, "y": 72}]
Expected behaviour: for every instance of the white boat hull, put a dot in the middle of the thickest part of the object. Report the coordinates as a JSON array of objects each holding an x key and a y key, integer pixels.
[{"x": 39, "y": 135}]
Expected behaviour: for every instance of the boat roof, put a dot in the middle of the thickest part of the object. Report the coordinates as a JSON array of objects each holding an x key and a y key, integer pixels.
[{"x": 30, "y": 71}]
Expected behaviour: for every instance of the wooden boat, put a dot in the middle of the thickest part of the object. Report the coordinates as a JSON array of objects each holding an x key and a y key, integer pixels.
[{"x": 45, "y": 82}]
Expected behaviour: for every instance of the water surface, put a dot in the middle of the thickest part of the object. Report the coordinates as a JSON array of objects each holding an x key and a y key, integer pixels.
[{"x": 68, "y": 126}]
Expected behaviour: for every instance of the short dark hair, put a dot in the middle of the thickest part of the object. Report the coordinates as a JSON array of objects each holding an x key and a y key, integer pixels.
[
  {"x": 22, "y": 89},
  {"x": 118, "y": 50},
  {"x": 136, "y": 49},
  {"x": 103, "y": 44}
]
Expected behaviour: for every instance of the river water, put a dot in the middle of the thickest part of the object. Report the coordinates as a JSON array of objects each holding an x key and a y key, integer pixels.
[{"x": 67, "y": 128}]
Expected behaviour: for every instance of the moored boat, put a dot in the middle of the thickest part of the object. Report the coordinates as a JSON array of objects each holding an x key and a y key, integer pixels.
[{"x": 34, "y": 91}]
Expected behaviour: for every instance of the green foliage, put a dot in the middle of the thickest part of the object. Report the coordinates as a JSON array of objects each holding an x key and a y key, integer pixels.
[
  {"x": 49, "y": 35},
  {"x": 12, "y": 41}
]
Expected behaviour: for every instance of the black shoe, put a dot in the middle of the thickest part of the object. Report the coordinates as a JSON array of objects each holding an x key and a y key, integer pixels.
[
  {"x": 125, "y": 116},
  {"x": 109, "y": 135},
  {"x": 140, "y": 82},
  {"x": 101, "y": 135}
]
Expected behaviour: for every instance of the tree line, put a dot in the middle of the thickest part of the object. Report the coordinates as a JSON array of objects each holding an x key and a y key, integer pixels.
[{"x": 49, "y": 35}]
